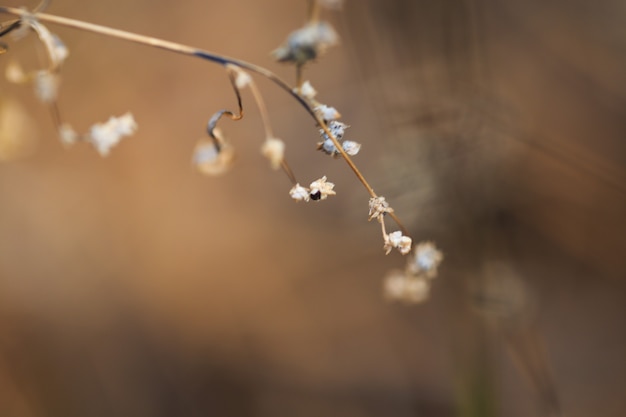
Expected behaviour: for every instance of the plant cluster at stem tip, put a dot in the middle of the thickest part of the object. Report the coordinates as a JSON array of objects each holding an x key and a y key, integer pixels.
[{"x": 215, "y": 154}]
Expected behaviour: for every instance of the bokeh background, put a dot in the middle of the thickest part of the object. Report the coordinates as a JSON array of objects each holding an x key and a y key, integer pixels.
[{"x": 134, "y": 286}]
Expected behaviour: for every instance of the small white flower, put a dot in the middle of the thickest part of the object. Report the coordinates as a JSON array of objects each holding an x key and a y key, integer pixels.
[
  {"x": 67, "y": 134},
  {"x": 307, "y": 90},
  {"x": 274, "y": 150},
  {"x": 14, "y": 73},
  {"x": 213, "y": 157},
  {"x": 106, "y": 135},
  {"x": 337, "y": 129},
  {"x": 327, "y": 113},
  {"x": 328, "y": 147},
  {"x": 242, "y": 78},
  {"x": 208, "y": 160},
  {"x": 320, "y": 189},
  {"x": 399, "y": 241},
  {"x": 307, "y": 43},
  {"x": 350, "y": 147},
  {"x": 299, "y": 193},
  {"x": 426, "y": 260},
  {"x": 378, "y": 206},
  {"x": 46, "y": 86}
]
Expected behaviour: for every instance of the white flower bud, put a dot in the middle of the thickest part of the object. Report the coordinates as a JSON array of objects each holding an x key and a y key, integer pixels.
[
  {"x": 398, "y": 241},
  {"x": 67, "y": 134},
  {"x": 307, "y": 43},
  {"x": 242, "y": 79},
  {"x": 426, "y": 260},
  {"x": 274, "y": 150},
  {"x": 46, "y": 86},
  {"x": 327, "y": 113},
  {"x": 378, "y": 207},
  {"x": 320, "y": 189},
  {"x": 307, "y": 90},
  {"x": 209, "y": 160},
  {"x": 350, "y": 147},
  {"x": 14, "y": 73},
  {"x": 106, "y": 135},
  {"x": 299, "y": 193}
]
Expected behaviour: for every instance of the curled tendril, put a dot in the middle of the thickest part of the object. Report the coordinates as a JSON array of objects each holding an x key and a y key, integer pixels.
[{"x": 212, "y": 124}]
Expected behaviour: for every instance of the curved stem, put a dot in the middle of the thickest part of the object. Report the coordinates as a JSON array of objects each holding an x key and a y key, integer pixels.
[
  {"x": 314, "y": 11},
  {"x": 206, "y": 55},
  {"x": 160, "y": 44}
]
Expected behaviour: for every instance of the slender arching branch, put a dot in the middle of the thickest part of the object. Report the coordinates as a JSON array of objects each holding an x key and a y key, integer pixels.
[{"x": 199, "y": 53}]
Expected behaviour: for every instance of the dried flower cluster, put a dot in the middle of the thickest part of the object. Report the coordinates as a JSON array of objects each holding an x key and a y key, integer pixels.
[
  {"x": 307, "y": 43},
  {"x": 319, "y": 189},
  {"x": 413, "y": 284},
  {"x": 46, "y": 83},
  {"x": 213, "y": 157},
  {"x": 329, "y": 115}
]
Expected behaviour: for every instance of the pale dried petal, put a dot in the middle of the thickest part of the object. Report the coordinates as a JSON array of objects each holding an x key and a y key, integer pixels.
[
  {"x": 320, "y": 189},
  {"x": 328, "y": 147},
  {"x": 307, "y": 90},
  {"x": 426, "y": 260},
  {"x": 46, "y": 86},
  {"x": 299, "y": 193},
  {"x": 106, "y": 135},
  {"x": 378, "y": 206},
  {"x": 327, "y": 113},
  {"x": 337, "y": 129},
  {"x": 67, "y": 134},
  {"x": 242, "y": 78},
  {"x": 398, "y": 241},
  {"x": 209, "y": 161},
  {"x": 307, "y": 43},
  {"x": 274, "y": 150},
  {"x": 350, "y": 147},
  {"x": 14, "y": 73}
]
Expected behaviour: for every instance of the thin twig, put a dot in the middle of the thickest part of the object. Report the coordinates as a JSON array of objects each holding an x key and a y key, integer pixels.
[{"x": 203, "y": 54}]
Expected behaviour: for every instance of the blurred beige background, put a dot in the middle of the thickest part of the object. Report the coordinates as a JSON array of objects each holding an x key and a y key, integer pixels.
[{"x": 134, "y": 286}]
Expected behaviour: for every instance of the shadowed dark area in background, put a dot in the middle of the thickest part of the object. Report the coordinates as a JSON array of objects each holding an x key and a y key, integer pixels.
[{"x": 132, "y": 286}]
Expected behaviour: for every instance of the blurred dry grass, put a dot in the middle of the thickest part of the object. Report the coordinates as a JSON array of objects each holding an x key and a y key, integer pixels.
[{"x": 134, "y": 286}]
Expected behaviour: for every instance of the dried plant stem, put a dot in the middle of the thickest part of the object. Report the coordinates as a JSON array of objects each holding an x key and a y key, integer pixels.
[
  {"x": 269, "y": 133},
  {"x": 314, "y": 11},
  {"x": 299, "y": 77},
  {"x": 288, "y": 171},
  {"x": 206, "y": 55},
  {"x": 381, "y": 220}
]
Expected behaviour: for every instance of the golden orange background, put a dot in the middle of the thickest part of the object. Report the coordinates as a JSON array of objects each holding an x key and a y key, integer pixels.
[{"x": 133, "y": 286}]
